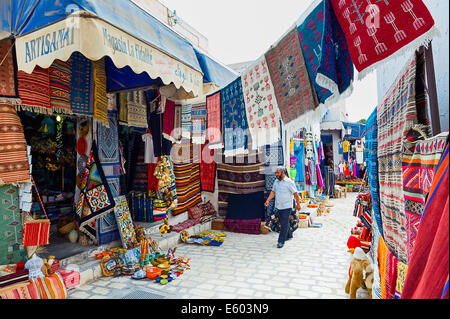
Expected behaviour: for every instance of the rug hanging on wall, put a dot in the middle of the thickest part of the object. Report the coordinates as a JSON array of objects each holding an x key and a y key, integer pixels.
[
  {"x": 8, "y": 73},
  {"x": 404, "y": 107},
  {"x": 208, "y": 169},
  {"x": 34, "y": 90},
  {"x": 214, "y": 127},
  {"x": 107, "y": 139},
  {"x": 261, "y": 104},
  {"x": 60, "y": 75},
  {"x": 100, "y": 96},
  {"x": 96, "y": 198},
  {"x": 187, "y": 176},
  {"x": 137, "y": 109},
  {"x": 199, "y": 123},
  {"x": 81, "y": 85},
  {"x": 11, "y": 231},
  {"x": 14, "y": 166},
  {"x": 419, "y": 163},
  {"x": 405, "y": 24},
  {"x": 293, "y": 88},
  {"x": 235, "y": 125}
]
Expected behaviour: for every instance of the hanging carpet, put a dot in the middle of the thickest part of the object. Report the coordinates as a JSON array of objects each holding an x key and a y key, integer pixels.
[
  {"x": 419, "y": 164},
  {"x": 294, "y": 91},
  {"x": 404, "y": 107},
  {"x": 207, "y": 169},
  {"x": 137, "y": 109},
  {"x": 235, "y": 126},
  {"x": 199, "y": 123},
  {"x": 375, "y": 31},
  {"x": 96, "y": 198},
  {"x": 100, "y": 96},
  {"x": 81, "y": 85},
  {"x": 8, "y": 73},
  {"x": 428, "y": 268},
  {"x": 214, "y": 127},
  {"x": 34, "y": 90},
  {"x": 60, "y": 76},
  {"x": 14, "y": 166}
]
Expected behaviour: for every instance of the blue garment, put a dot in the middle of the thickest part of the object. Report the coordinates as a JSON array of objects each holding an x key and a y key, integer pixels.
[
  {"x": 284, "y": 191},
  {"x": 341, "y": 148},
  {"x": 300, "y": 162}
]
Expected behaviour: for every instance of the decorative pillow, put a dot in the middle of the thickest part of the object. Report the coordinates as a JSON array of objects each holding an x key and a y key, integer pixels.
[
  {"x": 195, "y": 212},
  {"x": 209, "y": 209},
  {"x": 51, "y": 287},
  {"x": 21, "y": 291}
]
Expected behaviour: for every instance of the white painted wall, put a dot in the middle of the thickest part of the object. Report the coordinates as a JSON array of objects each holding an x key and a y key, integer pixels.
[{"x": 388, "y": 72}]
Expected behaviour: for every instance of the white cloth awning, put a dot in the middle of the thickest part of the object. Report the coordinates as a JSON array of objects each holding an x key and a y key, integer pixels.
[{"x": 96, "y": 38}]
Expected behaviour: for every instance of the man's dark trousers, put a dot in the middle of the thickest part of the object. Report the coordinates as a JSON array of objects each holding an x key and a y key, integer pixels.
[{"x": 285, "y": 232}]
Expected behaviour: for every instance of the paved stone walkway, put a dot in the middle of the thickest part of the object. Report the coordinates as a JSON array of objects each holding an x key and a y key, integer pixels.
[{"x": 313, "y": 265}]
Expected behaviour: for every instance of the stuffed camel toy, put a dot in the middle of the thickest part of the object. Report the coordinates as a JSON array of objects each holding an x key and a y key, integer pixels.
[{"x": 360, "y": 264}]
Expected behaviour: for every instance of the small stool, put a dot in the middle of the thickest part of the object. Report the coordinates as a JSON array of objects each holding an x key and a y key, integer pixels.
[{"x": 345, "y": 191}]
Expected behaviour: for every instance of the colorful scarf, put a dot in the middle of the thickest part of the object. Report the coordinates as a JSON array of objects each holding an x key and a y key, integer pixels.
[
  {"x": 235, "y": 126},
  {"x": 311, "y": 34},
  {"x": 335, "y": 72},
  {"x": 11, "y": 232},
  {"x": 186, "y": 121},
  {"x": 8, "y": 73},
  {"x": 186, "y": 168},
  {"x": 402, "y": 270},
  {"x": 14, "y": 166},
  {"x": 371, "y": 146},
  {"x": 207, "y": 169},
  {"x": 419, "y": 163},
  {"x": 169, "y": 121},
  {"x": 137, "y": 109},
  {"x": 214, "y": 128},
  {"x": 199, "y": 123},
  {"x": 375, "y": 31},
  {"x": 382, "y": 254},
  {"x": 391, "y": 275},
  {"x": 34, "y": 90},
  {"x": 96, "y": 198},
  {"x": 60, "y": 75},
  {"x": 100, "y": 97},
  {"x": 294, "y": 91},
  {"x": 428, "y": 267},
  {"x": 404, "y": 107},
  {"x": 81, "y": 85},
  {"x": 261, "y": 105}
]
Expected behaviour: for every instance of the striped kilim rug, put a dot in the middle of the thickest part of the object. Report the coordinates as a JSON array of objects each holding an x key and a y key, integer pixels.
[{"x": 404, "y": 107}]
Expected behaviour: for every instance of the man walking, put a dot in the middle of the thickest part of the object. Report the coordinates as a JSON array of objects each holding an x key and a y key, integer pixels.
[{"x": 284, "y": 190}]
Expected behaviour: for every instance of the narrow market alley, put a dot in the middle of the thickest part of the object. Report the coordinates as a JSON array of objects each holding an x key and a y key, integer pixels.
[{"x": 313, "y": 265}]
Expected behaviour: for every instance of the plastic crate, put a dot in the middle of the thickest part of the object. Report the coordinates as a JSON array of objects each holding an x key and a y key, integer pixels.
[{"x": 71, "y": 278}]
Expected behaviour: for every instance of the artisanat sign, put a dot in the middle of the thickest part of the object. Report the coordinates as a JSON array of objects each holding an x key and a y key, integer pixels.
[{"x": 95, "y": 38}]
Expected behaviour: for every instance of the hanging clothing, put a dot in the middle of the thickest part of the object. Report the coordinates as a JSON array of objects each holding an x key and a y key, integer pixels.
[
  {"x": 300, "y": 162},
  {"x": 346, "y": 146}
]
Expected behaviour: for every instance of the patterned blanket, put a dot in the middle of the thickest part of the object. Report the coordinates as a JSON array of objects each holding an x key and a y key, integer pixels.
[
  {"x": 81, "y": 85},
  {"x": 261, "y": 104},
  {"x": 60, "y": 75},
  {"x": 214, "y": 127},
  {"x": 100, "y": 97},
  {"x": 419, "y": 163},
  {"x": 34, "y": 90},
  {"x": 293, "y": 88},
  {"x": 186, "y": 168},
  {"x": 199, "y": 123},
  {"x": 371, "y": 146},
  {"x": 137, "y": 109},
  {"x": 169, "y": 121},
  {"x": 107, "y": 139},
  {"x": 14, "y": 167},
  {"x": 235, "y": 126},
  {"x": 8, "y": 73},
  {"x": 208, "y": 169},
  {"x": 335, "y": 71},
  {"x": 310, "y": 33},
  {"x": 375, "y": 30},
  {"x": 404, "y": 107},
  {"x": 186, "y": 121},
  {"x": 428, "y": 267}
]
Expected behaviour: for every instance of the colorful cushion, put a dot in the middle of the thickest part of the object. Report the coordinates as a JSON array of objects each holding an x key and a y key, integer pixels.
[
  {"x": 209, "y": 209},
  {"x": 21, "y": 291},
  {"x": 51, "y": 287},
  {"x": 195, "y": 212}
]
